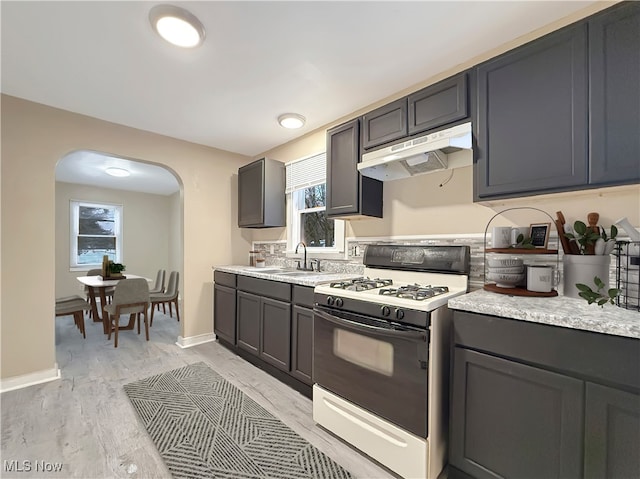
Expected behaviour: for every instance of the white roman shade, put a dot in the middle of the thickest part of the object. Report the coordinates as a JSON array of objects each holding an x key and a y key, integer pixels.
[{"x": 306, "y": 172}]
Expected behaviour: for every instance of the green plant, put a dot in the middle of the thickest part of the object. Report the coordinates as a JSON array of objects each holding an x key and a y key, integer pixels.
[
  {"x": 523, "y": 242},
  {"x": 597, "y": 296},
  {"x": 115, "y": 268},
  {"x": 586, "y": 237}
]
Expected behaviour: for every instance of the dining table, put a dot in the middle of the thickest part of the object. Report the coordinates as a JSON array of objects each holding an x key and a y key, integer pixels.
[{"x": 97, "y": 287}]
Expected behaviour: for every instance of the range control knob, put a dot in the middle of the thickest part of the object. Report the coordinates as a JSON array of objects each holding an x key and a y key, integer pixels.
[
  {"x": 399, "y": 313},
  {"x": 385, "y": 311},
  {"x": 339, "y": 302},
  {"x": 330, "y": 300}
]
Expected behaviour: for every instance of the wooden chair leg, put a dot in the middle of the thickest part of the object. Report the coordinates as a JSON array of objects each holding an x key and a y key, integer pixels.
[
  {"x": 138, "y": 321},
  {"x": 117, "y": 328},
  {"x": 177, "y": 310},
  {"x": 164, "y": 308},
  {"x": 146, "y": 322},
  {"x": 170, "y": 309},
  {"x": 108, "y": 320},
  {"x": 151, "y": 322},
  {"x": 79, "y": 319}
]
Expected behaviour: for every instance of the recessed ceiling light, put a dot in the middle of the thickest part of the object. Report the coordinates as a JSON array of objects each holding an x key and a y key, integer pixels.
[
  {"x": 177, "y": 26},
  {"x": 119, "y": 172},
  {"x": 291, "y": 120}
]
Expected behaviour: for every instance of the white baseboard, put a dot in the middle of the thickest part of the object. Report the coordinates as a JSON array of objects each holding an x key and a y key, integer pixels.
[
  {"x": 31, "y": 379},
  {"x": 195, "y": 340}
]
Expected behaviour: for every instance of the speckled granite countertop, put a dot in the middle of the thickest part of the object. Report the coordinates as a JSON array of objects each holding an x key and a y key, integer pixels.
[
  {"x": 558, "y": 311},
  {"x": 276, "y": 274}
]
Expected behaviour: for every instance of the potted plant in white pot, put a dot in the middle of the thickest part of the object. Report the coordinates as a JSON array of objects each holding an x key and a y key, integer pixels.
[{"x": 586, "y": 274}]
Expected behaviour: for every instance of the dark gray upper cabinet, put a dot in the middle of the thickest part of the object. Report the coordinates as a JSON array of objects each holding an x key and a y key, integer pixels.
[
  {"x": 384, "y": 124},
  {"x": 614, "y": 84},
  {"x": 349, "y": 193},
  {"x": 261, "y": 197},
  {"x": 437, "y": 105},
  {"x": 532, "y": 121}
]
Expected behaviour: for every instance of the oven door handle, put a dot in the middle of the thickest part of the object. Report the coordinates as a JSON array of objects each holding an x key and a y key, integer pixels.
[{"x": 365, "y": 328}]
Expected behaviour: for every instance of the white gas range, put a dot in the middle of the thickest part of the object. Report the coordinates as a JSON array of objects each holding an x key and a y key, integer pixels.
[{"x": 381, "y": 355}]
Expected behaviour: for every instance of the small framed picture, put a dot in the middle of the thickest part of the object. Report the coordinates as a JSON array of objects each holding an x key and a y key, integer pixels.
[{"x": 539, "y": 234}]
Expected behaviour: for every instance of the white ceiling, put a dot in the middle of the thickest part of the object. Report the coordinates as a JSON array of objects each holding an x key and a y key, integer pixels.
[{"x": 323, "y": 60}]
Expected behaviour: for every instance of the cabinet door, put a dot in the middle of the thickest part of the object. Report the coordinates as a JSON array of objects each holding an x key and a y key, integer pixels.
[
  {"x": 439, "y": 104},
  {"x": 384, "y": 124},
  {"x": 275, "y": 329},
  {"x": 512, "y": 420},
  {"x": 302, "y": 344},
  {"x": 224, "y": 313},
  {"x": 248, "y": 315},
  {"x": 532, "y": 118},
  {"x": 251, "y": 194},
  {"x": 612, "y": 433},
  {"x": 614, "y": 84},
  {"x": 343, "y": 182}
]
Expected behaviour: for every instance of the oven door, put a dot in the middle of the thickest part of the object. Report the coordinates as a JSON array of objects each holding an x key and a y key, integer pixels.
[{"x": 377, "y": 365}]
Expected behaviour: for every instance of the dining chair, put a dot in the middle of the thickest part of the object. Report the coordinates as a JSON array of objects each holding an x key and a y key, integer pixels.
[
  {"x": 169, "y": 297},
  {"x": 73, "y": 306},
  {"x": 158, "y": 287},
  {"x": 131, "y": 296}
]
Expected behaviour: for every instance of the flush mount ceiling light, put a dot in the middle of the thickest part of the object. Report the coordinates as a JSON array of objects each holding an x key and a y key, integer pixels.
[
  {"x": 119, "y": 172},
  {"x": 177, "y": 26},
  {"x": 291, "y": 120}
]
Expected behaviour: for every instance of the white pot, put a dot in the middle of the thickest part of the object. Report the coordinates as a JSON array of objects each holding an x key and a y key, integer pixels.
[{"x": 582, "y": 269}]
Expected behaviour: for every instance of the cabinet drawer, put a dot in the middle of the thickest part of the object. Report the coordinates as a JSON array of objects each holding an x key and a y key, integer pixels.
[
  {"x": 265, "y": 287},
  {"x": 611, "y": 360},
  {"x": 224, "y": 279},
  {"x": 303, "y": 296}
]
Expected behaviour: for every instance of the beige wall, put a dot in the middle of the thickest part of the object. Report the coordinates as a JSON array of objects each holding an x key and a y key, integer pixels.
[
  {"x": 147, "y": 231},
  {"x": 34, "y": 138},
  {"x": 418, "y": 206}
]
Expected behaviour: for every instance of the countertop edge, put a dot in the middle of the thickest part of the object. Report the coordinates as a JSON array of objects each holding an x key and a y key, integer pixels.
[
  {"x": 559, "y": 311},
  {"x": 312, "y": 280}
]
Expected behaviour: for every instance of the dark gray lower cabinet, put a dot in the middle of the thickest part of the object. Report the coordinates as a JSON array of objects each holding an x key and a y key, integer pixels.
[
  {"x": 612, "y": 433},
  {"x": 264, "y": 328},
  {"x": 514, "y": 421},
  {"x": 275, "y": 331},
  {"x": 537, "y": 401},
  {"x": 248, "y": 317},
  {"x": 224, "y": 323},
  {"x": 302, "y": 344}
]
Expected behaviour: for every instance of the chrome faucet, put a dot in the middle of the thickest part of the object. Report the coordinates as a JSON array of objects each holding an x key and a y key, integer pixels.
[{"x": 304, "y": 264}]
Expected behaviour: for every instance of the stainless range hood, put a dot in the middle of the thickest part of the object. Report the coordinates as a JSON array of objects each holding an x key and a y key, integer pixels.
[{"x": 424, "y": 154}]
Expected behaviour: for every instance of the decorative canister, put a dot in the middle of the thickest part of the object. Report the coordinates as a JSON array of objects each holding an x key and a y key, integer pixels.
[{"x": 579, "y": 268}]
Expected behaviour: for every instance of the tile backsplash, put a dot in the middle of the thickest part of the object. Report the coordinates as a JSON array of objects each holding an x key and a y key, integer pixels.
[{"x": 275, "y": 252}]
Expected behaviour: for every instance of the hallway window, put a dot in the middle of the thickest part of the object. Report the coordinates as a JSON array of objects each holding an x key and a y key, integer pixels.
[{"x": 96, "y": 230}]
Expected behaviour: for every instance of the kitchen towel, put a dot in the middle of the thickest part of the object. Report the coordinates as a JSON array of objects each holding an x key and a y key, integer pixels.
[{"x": 204, "y": 427}]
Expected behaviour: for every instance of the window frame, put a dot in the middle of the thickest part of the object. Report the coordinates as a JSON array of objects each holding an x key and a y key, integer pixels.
[
  {"x": 74, "y": 226},
  {"x": 295, "y": 209}
]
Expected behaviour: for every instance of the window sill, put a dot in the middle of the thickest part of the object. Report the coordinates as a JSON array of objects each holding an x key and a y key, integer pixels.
[{"x": 312, "y": 254}]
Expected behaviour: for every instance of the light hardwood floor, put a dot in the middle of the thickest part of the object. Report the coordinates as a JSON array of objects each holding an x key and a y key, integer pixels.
[{"x": 85, "y": 421}]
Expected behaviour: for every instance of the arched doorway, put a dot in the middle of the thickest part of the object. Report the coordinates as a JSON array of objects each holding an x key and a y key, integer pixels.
[{"x": 149, "y": 233}]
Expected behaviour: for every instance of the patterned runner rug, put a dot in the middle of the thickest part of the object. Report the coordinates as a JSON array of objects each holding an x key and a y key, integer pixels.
[{"x": 204, "y": 427}]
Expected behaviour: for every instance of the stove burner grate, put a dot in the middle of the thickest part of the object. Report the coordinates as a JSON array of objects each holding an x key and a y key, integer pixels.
[
  {"x": 415, "y": 291},
  {"x": 361, "y": 284}
]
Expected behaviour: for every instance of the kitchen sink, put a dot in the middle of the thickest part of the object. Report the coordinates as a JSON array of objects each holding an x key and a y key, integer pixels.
[{"x": 302, "y": 273}]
